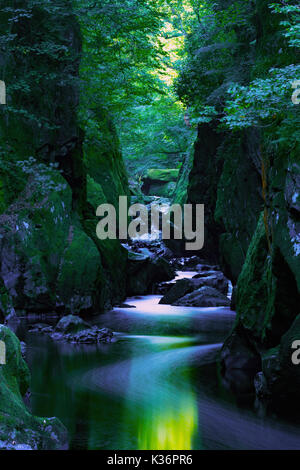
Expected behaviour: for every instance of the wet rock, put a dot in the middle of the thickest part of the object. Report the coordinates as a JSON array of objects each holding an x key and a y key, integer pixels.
[
  {"x": 90, "y": 336},
  {"x": 75, "y": 330},
  {"x": 177, "y": 290},
  {"x": 162, "y": 288},
  {"x": 39, "y": 327},
  {"x": 239, "y": 352},
  {"x": 207, "y": 268},
  {"x": 153, "y": 248},
  {"x": 125, "y": 306},
  {"x": 186, "y": 262},
  {"x": 261, "y": 386},
  {"x": 280, "y": 366},
  {"x": 215, "y": 279},
  {"x": 71, "y": 324},
  {"x": 204, "y": 297},
  {"x": 19, "y": 429},
  {"x": 183, "y": 287}
]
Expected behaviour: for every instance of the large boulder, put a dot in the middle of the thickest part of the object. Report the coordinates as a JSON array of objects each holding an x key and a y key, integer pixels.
[
  {"x": 267, "y": 297},
  {"x": 144, "y": 272},
  {"x": 71, "y": 324},
  {"x": 280, "y": 369},
  {"x": 41, "y": 242},
  {"x": 51, "y": 257},
  {"x": 225, "y": 176},
  {"x": 73, "y": 329},
  {"x": 182, "y": 287},
  {"x": 160, "y": 182},
  {"x": 177, "y": 290},
  {"x": 204, "y": 297},
  {"x": 215, "y": 279},
  {"x": 19, "y": 429},
  {"x": 239, "y": 352}
]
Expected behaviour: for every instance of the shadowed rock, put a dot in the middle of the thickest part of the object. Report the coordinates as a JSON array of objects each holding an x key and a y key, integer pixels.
[
  {"x": 204, "y": 297},
  {"x": 183, "y": 287}
]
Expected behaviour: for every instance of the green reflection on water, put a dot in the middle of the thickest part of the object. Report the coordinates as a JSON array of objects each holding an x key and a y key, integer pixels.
[
  {"x": 166, "y": 413},
  {"x": 169, "y": 427}
]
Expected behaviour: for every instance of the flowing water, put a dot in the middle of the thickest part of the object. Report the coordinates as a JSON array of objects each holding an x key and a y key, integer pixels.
[{"x": 156, "y": 387}]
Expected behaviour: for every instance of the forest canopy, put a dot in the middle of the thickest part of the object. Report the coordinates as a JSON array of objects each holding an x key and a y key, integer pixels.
[{"x": 159, "y": 68}]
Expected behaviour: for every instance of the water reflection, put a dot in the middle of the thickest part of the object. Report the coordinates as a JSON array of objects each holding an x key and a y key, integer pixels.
[
  {"x": 157, "y": 391},
  {"x": 166, "y": 426}
]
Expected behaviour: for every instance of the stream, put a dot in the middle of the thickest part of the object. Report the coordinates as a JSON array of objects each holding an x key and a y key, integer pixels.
[{"x": 156, "y": 387}]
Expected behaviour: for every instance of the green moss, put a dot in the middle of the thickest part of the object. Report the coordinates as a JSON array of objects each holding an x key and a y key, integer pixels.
[
  {"x": 95, "y": 193},
  {"x": 17, "y": 425},
  {"x": 169, "y": 175},
  {"x": 267, "y": 295}
]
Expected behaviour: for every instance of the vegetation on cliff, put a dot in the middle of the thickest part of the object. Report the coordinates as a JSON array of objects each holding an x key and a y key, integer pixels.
[{"x": 100, "y": 90}]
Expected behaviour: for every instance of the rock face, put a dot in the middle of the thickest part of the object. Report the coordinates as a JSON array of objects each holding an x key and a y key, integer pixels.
[
  {"x": 51, "y": 259},
  {"x": 204, "y": 297},
  {"x": 182, "y": 287},
  {"x": 160, "y": 182},
  {"x": 280, "y": 376},
  {"x": 251, "y": 192},
  {"x": 71, "y": 324},
  {"x": 43, "y": 272},
  {"x": 145, "y": 271},
  {"x": 225, "y": 171},
  {"x": 19, "y": 429}
]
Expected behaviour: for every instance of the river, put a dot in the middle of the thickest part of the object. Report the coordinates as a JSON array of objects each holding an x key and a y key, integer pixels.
[{"x": 156, "y": 387}]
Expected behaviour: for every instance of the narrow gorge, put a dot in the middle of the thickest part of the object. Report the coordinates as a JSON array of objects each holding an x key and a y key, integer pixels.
[{"x": 141, "y": 344}]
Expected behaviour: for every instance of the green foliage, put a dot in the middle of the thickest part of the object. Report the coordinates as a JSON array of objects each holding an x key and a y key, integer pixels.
[
  {"x": 33, "y": 63},
  {"x": 211, "y": 47},
  {"x": 155, "y": 135},
  {"x": 226, "y": 74},
  {"x": 292, "y": 23},
  {"x": 264, "y": 101}
]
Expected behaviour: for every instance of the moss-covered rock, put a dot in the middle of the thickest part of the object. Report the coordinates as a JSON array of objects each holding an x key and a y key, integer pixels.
[
  {"x": 203, "y": 183},
  {"x": 240, "y": 175},
  {"x": 204, "y": 297},
  {"x": 160, "y": 182},
  {"x": 255, "y": 284},
  {"x": 180, "y": 194},
  {"x": 166, "y": 175},
  {"x": 239, "y": 201},
  {"x": 42, "y": 243},
  {"x": 144, "y": 271},
  {"x": 19, "y": 429},
  {"x": 71, "y": 324}
]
